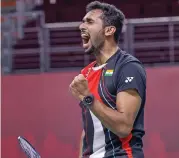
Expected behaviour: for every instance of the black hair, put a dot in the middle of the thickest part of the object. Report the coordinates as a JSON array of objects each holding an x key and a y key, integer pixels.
[{"x": 111, "y": 16}]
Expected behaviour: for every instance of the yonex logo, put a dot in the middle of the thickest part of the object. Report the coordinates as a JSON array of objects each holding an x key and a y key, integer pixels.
[{"x": 129, "y": 79}]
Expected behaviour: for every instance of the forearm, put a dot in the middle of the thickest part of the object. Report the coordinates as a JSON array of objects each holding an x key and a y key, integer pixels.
[{"x": 114, "y": 120}]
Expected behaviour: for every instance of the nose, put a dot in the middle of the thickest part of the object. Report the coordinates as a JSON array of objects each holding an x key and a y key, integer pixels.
[{"x": 82, "y": 27}]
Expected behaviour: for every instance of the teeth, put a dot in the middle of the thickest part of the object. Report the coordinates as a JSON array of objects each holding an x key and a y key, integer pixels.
[{"x": 85, "y": 36}]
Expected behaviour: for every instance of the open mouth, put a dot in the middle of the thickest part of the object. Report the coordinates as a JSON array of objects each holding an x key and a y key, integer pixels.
[{"x": 85, "y": 39}]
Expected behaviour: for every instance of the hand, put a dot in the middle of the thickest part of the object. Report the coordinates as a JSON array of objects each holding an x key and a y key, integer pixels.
[{"x": 79, "y": 87}]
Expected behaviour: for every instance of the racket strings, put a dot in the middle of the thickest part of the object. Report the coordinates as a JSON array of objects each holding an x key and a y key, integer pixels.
[{"x": 28, "y": 148}]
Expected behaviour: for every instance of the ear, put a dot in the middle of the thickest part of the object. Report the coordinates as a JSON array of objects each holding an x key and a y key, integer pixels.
[{"x": 110, "y": 30}]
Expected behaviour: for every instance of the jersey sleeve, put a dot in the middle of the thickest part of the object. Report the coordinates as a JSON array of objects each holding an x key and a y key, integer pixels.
[{"x": 131, "y": 76}]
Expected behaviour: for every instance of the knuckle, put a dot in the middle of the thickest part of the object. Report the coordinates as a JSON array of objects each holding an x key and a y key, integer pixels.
[
  {"x": 76, "y": 79},
  {"x": 72, "y": 84},
  {"x": 70, "y": 87}
]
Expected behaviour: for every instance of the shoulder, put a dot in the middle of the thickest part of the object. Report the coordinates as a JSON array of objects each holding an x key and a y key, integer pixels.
[
  {"x": 129, "y": 66},
  {"x": 132, "y": 75},
  {"x": 121, "y": 58},
  {"x": 124, "y": 59},
  {"x": 134, "y": 66}
]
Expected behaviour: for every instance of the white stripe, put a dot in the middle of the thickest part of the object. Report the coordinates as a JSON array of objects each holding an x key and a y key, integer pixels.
[
  {"x": 111, "y": 142},
  {"x": 98, "y": 139},
  {"x": 105, "y": 98},
  {"x": 109, "y": 73},
  {"x": 113, "y": 108},
  {"x": 98, "y": 154},
  {"x": 99, "y": 67}
]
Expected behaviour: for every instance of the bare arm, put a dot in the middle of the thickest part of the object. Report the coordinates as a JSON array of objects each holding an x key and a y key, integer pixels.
[
  {"x": 130, "y": 92},
  {"x": 119, "y": 121},
  {"x": 81, "y": 144}
]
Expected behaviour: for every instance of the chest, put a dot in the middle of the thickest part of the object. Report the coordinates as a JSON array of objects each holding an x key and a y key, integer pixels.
[{"x": 102, "y": 81}]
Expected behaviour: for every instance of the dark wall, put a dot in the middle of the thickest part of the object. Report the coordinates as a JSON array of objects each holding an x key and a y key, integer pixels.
[
  {"x": 74, "y": 10},
  {"x": 40, "y": 108}
]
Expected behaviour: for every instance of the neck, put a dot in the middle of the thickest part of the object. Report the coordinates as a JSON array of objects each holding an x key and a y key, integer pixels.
[{"x": 105, "y": 53}]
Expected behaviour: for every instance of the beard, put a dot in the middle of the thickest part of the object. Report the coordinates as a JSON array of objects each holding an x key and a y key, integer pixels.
[{"x": 96, "y": 45}]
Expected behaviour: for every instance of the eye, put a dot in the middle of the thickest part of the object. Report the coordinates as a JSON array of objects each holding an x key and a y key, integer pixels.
[{"x": 90, "y": 22}]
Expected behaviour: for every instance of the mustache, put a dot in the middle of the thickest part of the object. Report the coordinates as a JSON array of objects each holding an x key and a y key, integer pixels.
[{"x": 83, "y": 30}]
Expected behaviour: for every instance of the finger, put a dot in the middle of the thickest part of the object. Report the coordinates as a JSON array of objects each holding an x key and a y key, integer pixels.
[
  {"x": 76, "y": 94},
  {"x": 83, "y": 84},
  {"x": 80, "y": 83},
  {"x": 83, "y": 81},
  {"x": 76, "y": 80},
  {"x": 74, "y": 91},
  {"x": 81, "y": 77},
  {"x": 72, "y": 84}
]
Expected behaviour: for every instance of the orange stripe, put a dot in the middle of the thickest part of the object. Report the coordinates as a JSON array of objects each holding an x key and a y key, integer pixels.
[
  {"x": 8, "y": 3},
  {"x": 126, "y": 146},
  {"x": 2, "y": 19}
]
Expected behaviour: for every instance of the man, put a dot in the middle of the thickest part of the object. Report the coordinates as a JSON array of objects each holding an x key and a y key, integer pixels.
[{"x": 111, "y": 90}]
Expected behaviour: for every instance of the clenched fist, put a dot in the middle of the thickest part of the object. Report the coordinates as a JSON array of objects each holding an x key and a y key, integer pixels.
[{"x": 79, "y": 87}]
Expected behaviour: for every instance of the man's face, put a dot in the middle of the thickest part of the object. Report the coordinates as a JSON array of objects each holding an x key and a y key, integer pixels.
[{"x": 92, "y": 31}]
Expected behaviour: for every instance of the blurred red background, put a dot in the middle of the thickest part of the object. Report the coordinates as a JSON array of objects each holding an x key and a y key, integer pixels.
[{"x": 40, "y": 108}]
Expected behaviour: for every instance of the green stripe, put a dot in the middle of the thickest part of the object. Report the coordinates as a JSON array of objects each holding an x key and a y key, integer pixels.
[{"x": 106, "y": 74}]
